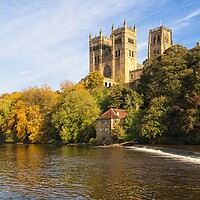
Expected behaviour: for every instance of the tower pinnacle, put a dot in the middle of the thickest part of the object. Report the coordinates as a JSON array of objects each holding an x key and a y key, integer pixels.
[
  {"x": 100, "y": 33},
  {"x": 90, "y": 37},
  {"x": 134, "y": 28},
  {"x": 125, "y": 25},
  {"x": 113, "y": 28}
]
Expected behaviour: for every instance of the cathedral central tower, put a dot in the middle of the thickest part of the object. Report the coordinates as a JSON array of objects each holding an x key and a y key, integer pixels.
[
  {"x": 160, "y": 39},
  {"x": 115, "y": 56}
]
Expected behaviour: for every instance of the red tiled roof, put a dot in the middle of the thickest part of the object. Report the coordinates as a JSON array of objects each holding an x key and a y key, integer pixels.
[{"x": 114, "y": 113}]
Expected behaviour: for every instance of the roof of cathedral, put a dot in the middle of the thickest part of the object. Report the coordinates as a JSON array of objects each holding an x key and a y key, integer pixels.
[{"x": 114, "y": 113}]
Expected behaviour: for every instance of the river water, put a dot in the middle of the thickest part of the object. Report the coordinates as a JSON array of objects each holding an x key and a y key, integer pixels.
[{"x": 71, "y": 172}]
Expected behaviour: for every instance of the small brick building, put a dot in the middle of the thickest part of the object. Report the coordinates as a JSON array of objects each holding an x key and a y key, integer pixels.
[{"x": 106, "y": 123}]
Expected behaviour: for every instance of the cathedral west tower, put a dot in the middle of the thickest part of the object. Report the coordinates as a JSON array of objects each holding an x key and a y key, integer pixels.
[{"x": 115, "y": 56}]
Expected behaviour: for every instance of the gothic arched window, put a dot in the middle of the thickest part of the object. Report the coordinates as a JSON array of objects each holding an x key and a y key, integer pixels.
[
  {"x": 107, "y": 71},
  {"x": 154, "y": 39},
  {"x": 158, "y": 39}
]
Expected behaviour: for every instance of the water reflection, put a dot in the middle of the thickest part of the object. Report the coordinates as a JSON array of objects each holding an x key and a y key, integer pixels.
[{"x": 69, "y": 172}]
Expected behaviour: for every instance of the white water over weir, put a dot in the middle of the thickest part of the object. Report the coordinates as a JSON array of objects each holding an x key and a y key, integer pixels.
[{"x": 177, "y": 154}]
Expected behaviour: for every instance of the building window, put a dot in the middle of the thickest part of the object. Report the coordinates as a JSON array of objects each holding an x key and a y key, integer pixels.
[
  {"x": 96, "y": 48},
  {"x": 158, "y": 39},
  {"x": 117, "y": 53},
  {"x": 104, "y": 121},
  {"x": 154, "y": 39},
  {"x": 130, "y": 40},
  {"x": 115, "y": 121},
  {"x": 131, "y": 53},
  {"x": 118, "y": 41},
  {"x": 109, "y": 84},
  {"x": 97, "y": 59},
  {"x": 107, "y": 71},
  {"x": 131, "y": 76}
]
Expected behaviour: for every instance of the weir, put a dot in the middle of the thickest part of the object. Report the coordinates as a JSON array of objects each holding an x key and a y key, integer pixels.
[{"x": 177, "y": 154}]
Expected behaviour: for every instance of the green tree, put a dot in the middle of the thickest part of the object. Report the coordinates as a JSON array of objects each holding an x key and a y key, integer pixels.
[
  {"x": 76, "y": 116},
  {"x": 102, "y": 96},
  {"x": 163, "y": 77},
  {"x": 118, "y": 95},
  {"x": 153, "y": 124},
  {"x": 133, "y": 104}
]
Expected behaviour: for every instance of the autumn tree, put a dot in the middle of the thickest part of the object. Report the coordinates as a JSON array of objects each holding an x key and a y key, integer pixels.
[
  {"x": 66, "y": 85},
  {"x": 47, "y": 101},
  {"x": 7, "y": 117},
  {"x": 94, "y": 80},
  {"x": 26, "y": 116},
  {"x": 26, "y": 121}
]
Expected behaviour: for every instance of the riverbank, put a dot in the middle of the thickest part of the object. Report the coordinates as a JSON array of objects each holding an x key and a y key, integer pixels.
[{"x": 118, "y": 145}]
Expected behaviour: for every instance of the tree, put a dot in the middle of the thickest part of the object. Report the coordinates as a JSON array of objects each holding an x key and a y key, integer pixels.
[
  {"x": 102, "y": 96},
  {"x": 65, "y": 85},
  {"x": 25, "y": 122},
  {"x": 76, "y": 116},
  {"x": 118, "y": 93},
  {"x": 94, "y": 80},
  {"x": 163, "y": 77},
  {"x": 7, "y": 117},
  {"x": 153, "y": 124},
  {"x": 133, "y": 104},
  {"x": 118, "y": 133},
  {"x": 47, "y": 101},
  {"x": 26, "y": 116}
]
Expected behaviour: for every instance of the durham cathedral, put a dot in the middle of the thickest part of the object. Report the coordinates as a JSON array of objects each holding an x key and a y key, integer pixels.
[{"x": 115, "y": 57}]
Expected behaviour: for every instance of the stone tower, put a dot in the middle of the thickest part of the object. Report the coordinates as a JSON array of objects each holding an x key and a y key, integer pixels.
[
  {"x": 160, "y": 39},
  {"x": 114, "y": 56}
]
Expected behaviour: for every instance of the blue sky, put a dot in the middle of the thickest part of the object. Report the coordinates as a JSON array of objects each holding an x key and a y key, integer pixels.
[{"x": 46, "y": 41}]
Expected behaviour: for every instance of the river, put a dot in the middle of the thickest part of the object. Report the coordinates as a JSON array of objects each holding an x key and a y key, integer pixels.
[{"x": 71, "y": 172}]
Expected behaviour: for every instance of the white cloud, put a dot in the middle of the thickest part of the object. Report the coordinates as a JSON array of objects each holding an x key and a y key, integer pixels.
[
  {"x": 185, "y": 21},
  {"x": 189, "y": 16},
  {"x": 25, "y": 72}
]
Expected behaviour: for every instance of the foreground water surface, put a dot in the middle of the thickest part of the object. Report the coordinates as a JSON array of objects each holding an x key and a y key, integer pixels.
[{"x": 70, "y": 172}]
